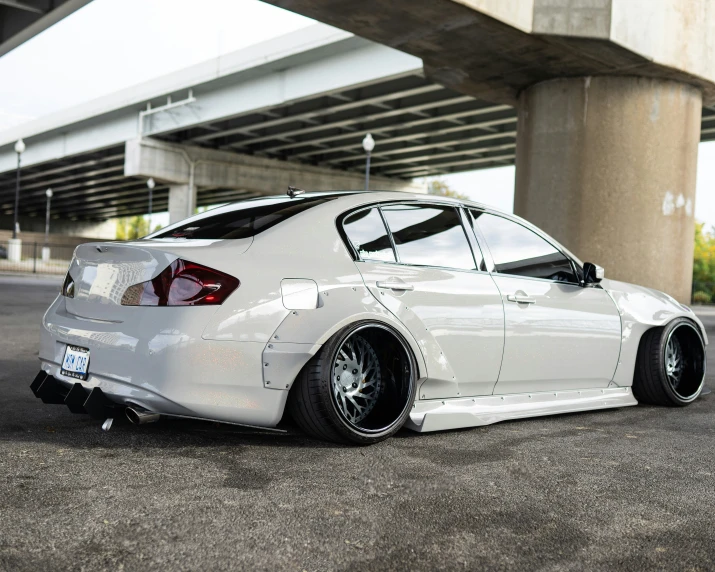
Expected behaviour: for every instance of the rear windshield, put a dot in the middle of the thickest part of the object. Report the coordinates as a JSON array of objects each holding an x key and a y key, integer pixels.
[{"x": 241, "y": 221}]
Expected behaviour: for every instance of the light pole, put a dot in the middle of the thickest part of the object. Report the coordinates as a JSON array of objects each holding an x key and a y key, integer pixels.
[
  {"x": 19, "y": 149},
  {"x": 368, "y": 144},
  {"x": 14, "y": 253},
  {"x": 46, "y": 247},
  {"x": 150, "y": 183}
]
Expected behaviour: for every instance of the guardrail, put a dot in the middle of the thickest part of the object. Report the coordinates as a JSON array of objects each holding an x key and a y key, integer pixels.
[{"x": 34, "y": 257}]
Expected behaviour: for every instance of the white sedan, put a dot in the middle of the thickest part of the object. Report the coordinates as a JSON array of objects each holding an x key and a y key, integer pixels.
[{"x": 358, "y": 313}]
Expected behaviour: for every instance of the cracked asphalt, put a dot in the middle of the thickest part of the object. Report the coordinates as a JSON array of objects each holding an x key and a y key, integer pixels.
[{"x": 629, "y": 489}]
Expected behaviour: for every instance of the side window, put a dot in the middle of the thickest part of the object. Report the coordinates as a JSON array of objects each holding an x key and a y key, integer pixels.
[
  {"x": 517, "y": 250},
  {"x": 428, "y": 235},
  {"x": 368, "y": 235}
]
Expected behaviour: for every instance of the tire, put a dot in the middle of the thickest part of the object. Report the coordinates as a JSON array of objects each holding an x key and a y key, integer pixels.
[
  {"x": 367, "y": 406},
  {"x": 663, "y": 378}
]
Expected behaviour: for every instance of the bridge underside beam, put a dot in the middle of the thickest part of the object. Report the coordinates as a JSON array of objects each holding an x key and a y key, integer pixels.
[{"x": 185, "y": 168}]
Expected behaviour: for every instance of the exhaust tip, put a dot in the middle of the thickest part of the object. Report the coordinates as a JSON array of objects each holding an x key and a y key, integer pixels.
[{"x": 141, "y": 416}]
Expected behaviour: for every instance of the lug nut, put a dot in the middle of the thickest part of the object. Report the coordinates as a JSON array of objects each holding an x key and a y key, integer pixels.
[
  {"x": 345, "y": 367},
  {"x": 345, "y": 388},
  {"x": 355, "y": 384},
  {"x": 354, "y": 371},
  {"x": 338, "y": 378}
]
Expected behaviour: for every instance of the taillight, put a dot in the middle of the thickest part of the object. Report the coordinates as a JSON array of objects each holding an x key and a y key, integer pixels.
[
  {"x": 182, "y": 283},
  {"x": 68, "y": 287}
]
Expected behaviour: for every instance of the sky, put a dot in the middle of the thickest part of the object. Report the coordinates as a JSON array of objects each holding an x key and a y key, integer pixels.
[{"x": 113, "y": 44}]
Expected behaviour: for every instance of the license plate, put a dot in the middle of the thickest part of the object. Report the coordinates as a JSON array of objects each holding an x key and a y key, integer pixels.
[{"x": 76, "y": 362}]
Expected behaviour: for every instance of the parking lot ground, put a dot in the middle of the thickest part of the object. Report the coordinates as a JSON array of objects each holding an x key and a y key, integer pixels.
[{"x": 628, "y": 489}]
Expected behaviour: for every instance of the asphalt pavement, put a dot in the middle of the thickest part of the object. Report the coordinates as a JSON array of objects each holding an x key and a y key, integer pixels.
[{"x": 629, "y": 489}]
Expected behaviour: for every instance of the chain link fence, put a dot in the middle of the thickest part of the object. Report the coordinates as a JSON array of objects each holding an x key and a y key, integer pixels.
[{"x": 35, "y": 257}]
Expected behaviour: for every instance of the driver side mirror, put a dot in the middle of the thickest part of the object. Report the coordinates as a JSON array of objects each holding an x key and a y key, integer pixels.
[{"x": 592, "y": 273}]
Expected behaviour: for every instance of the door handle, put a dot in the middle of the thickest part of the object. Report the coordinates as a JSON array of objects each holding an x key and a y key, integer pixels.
[
  {"x": 395, "y": 285},
  {"x": 519, "y": 299}
]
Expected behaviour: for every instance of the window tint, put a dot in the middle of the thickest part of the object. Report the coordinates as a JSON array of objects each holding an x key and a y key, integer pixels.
[
  {"x": 429, "y": 236},
  {"x": 240, "y": 220},
  {"x": 368, "y": 235},
  {"x": 517, "y": 250}
]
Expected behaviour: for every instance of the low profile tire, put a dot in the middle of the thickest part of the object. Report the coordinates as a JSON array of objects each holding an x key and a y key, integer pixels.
[
  {"x": 359, "y": 388},
  {"x": 671, "y": 365}
]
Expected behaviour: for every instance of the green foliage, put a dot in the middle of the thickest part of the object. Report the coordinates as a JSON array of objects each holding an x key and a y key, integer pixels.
[
  {"x": 133, "y": 227},
  {"x": 441, "y": 187},
  {"x": 704, "y": 264},
  {"x": 701, "y": 297}
]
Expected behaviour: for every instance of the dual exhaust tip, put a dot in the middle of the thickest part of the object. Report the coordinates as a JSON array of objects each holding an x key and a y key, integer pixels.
[{"x": 140, "y": 416}]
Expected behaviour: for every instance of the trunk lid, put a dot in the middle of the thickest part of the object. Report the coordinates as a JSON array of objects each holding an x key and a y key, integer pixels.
[{"x": 102, "y": 271}]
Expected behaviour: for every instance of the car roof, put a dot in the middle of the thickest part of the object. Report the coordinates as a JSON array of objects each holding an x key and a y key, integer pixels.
[{"x": 377, "y": 196}]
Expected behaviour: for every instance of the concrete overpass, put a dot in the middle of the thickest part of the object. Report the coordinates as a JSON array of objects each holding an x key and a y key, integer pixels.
[
  {"x": 297, "y": 106},
  {"x": 608, "y": 118},
  {"x": 290, "y": 110},
  {"x": 20, "y": 20},
  {"x": 609, "y": 96}
]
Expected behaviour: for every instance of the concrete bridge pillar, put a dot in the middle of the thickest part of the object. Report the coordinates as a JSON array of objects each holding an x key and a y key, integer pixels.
[
  {"x": 182, "y": 202},
  {"x": 607, "y": 166}
]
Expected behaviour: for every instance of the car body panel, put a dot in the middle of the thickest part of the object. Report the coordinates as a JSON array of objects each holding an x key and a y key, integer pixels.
[
  {"x": 210, "y": 361},
  {"x": 568, "y": 338},
  {"x": 642, "y": 308},
  {"x": 457, "y": 318},
  {"x": 459, "y": 413}
]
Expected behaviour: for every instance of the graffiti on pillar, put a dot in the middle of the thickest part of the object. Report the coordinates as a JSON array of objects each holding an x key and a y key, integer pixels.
[{"x": 671, "y": 203}]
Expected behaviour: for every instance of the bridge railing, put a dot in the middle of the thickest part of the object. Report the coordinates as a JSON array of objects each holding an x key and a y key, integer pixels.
[{"x": 35, "y": 257}]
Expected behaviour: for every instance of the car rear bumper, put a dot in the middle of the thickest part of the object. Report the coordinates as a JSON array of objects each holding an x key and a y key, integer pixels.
[{"x": 166, "y": 368}]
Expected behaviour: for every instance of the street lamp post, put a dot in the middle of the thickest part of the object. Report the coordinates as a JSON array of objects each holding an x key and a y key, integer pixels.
[
  {"x": 14, "y": 251},
  {"x": 150, "y": 183},
  {"x": 46, "y": 247},
  {"x": 368, "y": 143}
]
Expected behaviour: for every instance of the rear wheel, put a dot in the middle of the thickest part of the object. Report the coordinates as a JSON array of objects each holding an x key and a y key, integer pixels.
[
  {"x": 358, "y": 388},
  {"x": 671, "y": 365}
]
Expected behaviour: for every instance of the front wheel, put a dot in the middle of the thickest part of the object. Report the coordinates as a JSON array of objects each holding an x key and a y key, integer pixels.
[
  {"x": 358, "y": 388},
  {"x": 671, "y": 365}
]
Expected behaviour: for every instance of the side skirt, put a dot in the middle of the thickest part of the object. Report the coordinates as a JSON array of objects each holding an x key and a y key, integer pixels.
[{"x": 438, "y": 415}]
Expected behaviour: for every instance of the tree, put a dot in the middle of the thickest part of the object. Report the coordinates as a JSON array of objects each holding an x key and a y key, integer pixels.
[
  {"x": 132, "y": 227},
  {"x": 440, "y": 187},
  {"x": 704, "y": 264}
]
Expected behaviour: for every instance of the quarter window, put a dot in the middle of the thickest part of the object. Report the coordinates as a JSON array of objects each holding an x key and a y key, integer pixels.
[
  {"x": 520, "y": 251},
  {"x": 429, "y": 235},
  {"x": 366, "y": 232}
]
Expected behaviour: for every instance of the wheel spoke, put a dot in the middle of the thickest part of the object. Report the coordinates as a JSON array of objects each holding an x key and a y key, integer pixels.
[{"x": 356, "y": 379}]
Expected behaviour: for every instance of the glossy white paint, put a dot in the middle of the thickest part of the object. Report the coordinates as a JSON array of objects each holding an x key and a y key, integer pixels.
[
  {"x": 236, "y": 362},
  {"x": 569, "y": 337},
  {"x": 456, "y": 317},
  {"x": 456, "y": 413},
  {"x": 641, "y": 309},
  {"x": 299, "y": 294}
]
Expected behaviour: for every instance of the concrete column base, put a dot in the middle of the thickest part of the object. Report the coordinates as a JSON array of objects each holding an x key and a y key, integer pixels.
[
  {"x": 607, "y": 166},
  {"x": 182, "y": 202},
  {"x": 14, "y": 249}
]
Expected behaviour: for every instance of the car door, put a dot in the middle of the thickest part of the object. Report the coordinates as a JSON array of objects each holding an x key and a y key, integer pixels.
[
  {"x": 426, "y": 274},
  {"x": 558, "y": 334}
]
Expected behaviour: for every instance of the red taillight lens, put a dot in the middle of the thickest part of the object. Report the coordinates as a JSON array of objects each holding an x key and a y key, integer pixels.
[{"x": 182, "y": 283}]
